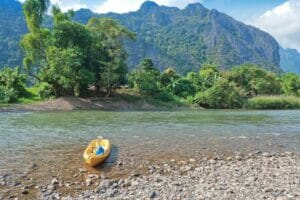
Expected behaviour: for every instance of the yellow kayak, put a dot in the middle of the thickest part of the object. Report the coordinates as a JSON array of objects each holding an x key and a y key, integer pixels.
[{"x": 97, "y": 152}]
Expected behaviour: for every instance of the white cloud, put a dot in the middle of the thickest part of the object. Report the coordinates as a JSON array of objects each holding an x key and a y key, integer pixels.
[{"x": 283, "y": 22}]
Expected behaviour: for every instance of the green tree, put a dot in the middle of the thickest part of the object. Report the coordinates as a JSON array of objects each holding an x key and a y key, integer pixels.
[
  {"x": 12, "y": 85},
  {"x": 107, "y": 54},
  {"x": 36, "y": 41},
  {"x": 291, "y": 84},
  {"x": 208, "y": 75},
  {"x": 253, "y": 80},
  {"x": 145, "y": 79},
  {"x": 168, "y": 77},
  {"x": 221, "y": 95},
  {"x": 65, "y": 71},
  {"x": 182, "y": 88}
]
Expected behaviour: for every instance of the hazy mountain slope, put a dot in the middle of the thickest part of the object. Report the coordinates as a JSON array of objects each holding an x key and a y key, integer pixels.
[
  {"x": 186, "y": 38},
  {"x": 12, "y": 27},
  {"x": 290, "y": 60}
]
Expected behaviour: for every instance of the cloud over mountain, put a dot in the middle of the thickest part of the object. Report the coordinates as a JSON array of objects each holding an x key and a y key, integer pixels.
[{"x": 283, "y": 22}]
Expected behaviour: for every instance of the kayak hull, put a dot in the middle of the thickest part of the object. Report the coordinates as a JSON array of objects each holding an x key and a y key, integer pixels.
[{"x": 90, "y": 157}]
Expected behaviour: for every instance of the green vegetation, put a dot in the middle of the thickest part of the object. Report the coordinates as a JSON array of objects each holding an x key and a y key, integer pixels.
[
  {"x": 12, "y": 85},
  {"x": 71, "y": 59},
  {"x": 274, "y": 102},
  {"x": 212, "y": 88}
]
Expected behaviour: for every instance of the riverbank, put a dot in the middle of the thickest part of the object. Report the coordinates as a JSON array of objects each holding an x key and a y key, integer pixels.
[
  {"x": 121, "y": 102},
  {"x": 257, "y": 175}
]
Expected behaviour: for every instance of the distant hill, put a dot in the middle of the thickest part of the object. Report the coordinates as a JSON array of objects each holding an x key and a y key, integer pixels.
[
  {"x": 12, "y": 27},
  {"x": 186, "y": 38},
  {"x": 183, "y": 39},
  {"x": 290, "y": 60}
]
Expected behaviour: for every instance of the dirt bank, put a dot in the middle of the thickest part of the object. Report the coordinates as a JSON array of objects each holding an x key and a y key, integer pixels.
[{"x": 75, "y": 103}]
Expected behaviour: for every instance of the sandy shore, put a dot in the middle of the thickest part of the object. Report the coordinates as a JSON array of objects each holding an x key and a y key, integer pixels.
[
  {"x": 254, "y": 176},
  {"x": 76, "y": 103}
]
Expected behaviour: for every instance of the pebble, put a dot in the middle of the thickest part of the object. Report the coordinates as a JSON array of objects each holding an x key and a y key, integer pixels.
[
  {"x": 152, "y": 195},
  {"x": 54, "y": 181},
  {"x": 89, "y": 182},
  {"x": 81, "y": 170},
  {"x": 25, "y": 192}
]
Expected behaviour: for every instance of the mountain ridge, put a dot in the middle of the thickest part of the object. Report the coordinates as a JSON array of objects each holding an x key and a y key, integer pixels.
[{"x": 184, "y": 38}]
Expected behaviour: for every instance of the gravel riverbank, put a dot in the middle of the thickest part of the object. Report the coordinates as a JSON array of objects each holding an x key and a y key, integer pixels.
[{"x": 254, "y": 176}]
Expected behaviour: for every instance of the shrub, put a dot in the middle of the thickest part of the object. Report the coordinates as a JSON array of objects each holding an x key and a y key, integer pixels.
[
  {"x": 222, "y": 95},
  {"x": 8, "y": 95},
  {"x": 46, "y": 91},
  {"x": 182, "y": 88},
  {"x": 164, "y": 96},
  {"x": 12, "y": 85},
  {"x": 273, "y": 102}
]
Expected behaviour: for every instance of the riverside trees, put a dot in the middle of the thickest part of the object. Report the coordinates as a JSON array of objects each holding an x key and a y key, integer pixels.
[
  {"x": 70, "y": 56},
  {"x": 210, "y": 87}
]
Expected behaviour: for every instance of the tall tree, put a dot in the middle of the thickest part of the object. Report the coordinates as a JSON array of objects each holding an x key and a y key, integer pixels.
[{"x": 108, "y": 55}]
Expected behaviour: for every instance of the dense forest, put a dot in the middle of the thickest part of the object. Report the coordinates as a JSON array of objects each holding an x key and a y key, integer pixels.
[{"x": 69, "y": 59}]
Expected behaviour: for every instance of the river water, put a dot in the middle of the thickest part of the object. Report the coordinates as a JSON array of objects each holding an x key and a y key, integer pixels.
[
  {"x": 56, "y": 139},
  {"x": 49, "y": 135}
]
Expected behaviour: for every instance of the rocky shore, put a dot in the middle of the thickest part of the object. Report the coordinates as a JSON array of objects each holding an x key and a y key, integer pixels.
[{"x": 254, "y": 176}]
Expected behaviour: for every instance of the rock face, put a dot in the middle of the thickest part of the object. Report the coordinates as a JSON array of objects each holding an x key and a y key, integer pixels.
[
  {"x": 290, "y": 60},
  {"x": 185, "y": 39},
  {"x": 12, "y": 27}
]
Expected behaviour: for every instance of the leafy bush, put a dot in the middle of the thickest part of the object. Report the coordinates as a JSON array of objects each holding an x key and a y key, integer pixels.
[
  {"x": 182, "y": 88},
  {"x": 8, "y": 95},
  {"x": 12, "y": 85},
  {"x": 273, "y": 102},
  {"x": 145, "y": 78},
  {"x": 254, "y": 80},
  {"x": 291, "y": 84},
  {"x": 222, "y": 95},
  {"x": 46, "y": 91},
  {"x": 164, "y": 96}
]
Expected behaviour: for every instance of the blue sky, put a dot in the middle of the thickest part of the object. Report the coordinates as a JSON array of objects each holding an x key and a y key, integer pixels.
[{"x": 280, "y": 18}]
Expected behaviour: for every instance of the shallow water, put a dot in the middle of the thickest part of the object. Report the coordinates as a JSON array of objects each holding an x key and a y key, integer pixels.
[{"x": 48, "y": 137}]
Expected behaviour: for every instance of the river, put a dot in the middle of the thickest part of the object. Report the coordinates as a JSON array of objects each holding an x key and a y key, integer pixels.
[{"x": 56, "y": 140}]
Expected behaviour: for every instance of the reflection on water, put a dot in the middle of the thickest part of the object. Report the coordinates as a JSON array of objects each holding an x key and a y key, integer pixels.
[{"x": 28, "y": 138}]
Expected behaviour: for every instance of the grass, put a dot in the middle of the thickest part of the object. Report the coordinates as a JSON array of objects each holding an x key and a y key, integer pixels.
[
  {"x": 32, "y": 97},
  {"x": 273, "y": 102}
]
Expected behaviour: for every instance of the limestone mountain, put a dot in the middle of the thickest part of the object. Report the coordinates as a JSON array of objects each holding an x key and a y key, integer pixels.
[
  {"x": 172, "y": 37},
  {"x": 290, "y": 60},
  {"x": 185, "y": 39},
  {"x": 12, "y": 27}
]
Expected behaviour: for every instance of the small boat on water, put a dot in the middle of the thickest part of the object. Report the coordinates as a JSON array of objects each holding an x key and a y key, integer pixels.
[{"x": 97, "y": 152}]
